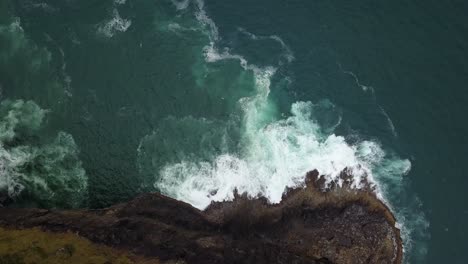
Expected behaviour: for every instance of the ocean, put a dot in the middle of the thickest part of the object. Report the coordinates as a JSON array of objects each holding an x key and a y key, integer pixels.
[{"x": 104, "y": 99}]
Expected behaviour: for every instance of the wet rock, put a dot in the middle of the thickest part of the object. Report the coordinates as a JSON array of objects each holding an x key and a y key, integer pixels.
[{"x": 315, "y": 224}]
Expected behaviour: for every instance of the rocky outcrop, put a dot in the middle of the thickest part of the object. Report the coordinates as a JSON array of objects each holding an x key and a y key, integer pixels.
[{"x": 314, "y": 224}]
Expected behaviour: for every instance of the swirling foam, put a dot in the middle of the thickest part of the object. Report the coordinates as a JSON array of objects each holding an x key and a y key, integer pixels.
[
  {"x": 274, "y": 154},
  {"x": 47, "y": 174}
]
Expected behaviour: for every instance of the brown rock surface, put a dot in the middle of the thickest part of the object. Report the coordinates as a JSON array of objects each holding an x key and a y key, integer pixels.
[{"x": 310, "y": 225}]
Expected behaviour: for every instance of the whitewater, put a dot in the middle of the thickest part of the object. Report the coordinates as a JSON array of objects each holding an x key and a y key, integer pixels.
[
  {"x": 202, "y": 114},
  {"x": 276, "y": 150}
]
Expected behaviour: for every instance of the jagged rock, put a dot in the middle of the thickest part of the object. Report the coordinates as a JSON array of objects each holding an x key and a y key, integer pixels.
[{"x": 314, "y": 224}]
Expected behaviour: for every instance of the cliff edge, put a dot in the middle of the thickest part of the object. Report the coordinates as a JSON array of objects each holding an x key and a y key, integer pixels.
[{"x": 314, "y": 224}]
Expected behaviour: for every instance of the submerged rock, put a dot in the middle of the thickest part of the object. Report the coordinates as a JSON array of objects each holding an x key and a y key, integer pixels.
[{"x": 314, "y": 224}]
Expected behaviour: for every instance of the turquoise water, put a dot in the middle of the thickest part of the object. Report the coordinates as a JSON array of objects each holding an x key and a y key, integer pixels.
[{"x": 102, "y": 100}]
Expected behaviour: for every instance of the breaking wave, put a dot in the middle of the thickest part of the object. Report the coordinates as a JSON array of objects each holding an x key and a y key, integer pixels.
[
  {"x": 261, "y": 153},
  {"x": 270, "y": 154}
]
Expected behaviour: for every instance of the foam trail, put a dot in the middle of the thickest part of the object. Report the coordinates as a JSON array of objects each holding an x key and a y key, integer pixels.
[
  {"x": 365, "y": 88},
  {"x": 277, "y": 153},
  {"x": 114, "y": 25},
  {"x": 66, "y": 77},
  {"x": 288, "y": 53},
  {"x": 67, "y": 80},
  {"x": 389, "y": 122},
  {"x": 272, "y": 156},
  {"x": 177, "y": 28},
  {"x": 206, "y": 21},
  {"x": 51, "y": 173}
]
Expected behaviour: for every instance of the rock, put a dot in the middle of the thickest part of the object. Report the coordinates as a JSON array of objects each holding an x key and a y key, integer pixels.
[{"x": 314, "y": 224}]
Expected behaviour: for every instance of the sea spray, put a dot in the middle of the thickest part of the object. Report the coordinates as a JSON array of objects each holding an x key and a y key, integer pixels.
[
  {"x": 270, "y": 155},
  {"x": 269, "y": 151}
]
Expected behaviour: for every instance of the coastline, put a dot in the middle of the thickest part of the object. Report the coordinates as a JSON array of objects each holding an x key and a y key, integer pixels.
[{"x": 314, "y": 224}]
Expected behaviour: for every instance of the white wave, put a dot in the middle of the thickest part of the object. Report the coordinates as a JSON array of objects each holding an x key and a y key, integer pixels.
[
  {"x": 120, "y": 2},
  {"x": 114, "y": 25},
  {"x": 278, "y": 156},
  {"x": 274, "y": 154},
  {"x": 8, "y": 176}
]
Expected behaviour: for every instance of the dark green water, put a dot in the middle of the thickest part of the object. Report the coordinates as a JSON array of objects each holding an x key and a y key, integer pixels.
[{"x": 102, "y": 100}]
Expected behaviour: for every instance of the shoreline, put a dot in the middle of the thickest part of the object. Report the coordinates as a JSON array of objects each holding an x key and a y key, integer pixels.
[{"x": 313, "y": 224}]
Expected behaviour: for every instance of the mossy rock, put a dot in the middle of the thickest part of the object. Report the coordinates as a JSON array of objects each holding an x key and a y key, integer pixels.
[{"x": 34, "y": 246}]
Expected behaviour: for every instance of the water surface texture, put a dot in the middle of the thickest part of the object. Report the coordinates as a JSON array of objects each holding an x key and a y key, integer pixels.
[{"x": 103, "y": 100}]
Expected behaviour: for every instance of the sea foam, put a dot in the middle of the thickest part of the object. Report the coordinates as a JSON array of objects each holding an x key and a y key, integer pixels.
[
  {"x": 288, "y": 53},
  {"x": 50, "y": 173},
  {"x": 275, "y": 153},
  {"x": 273, "y": 156},
  {"x": 115, "y": 24}
]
